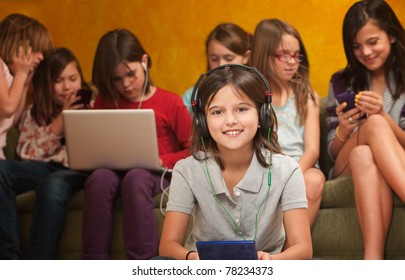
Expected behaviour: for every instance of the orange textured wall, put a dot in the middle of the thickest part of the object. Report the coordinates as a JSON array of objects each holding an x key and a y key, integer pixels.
[{"x": 173, "y": 32}]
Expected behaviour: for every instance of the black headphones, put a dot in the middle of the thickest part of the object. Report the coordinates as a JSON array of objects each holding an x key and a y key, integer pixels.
[{"x": 199, "y": 118}]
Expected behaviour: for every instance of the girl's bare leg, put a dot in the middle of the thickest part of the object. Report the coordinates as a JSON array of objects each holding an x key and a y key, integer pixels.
[
  {"x": 314, "y": 183},
  {"x": 374, "y": 201},
  {"x": 388, "y": 154}
]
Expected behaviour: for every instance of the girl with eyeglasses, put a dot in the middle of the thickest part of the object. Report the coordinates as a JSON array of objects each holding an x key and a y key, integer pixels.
[
  {"x": 279, "y": 53},
  {"x": 368, "y": 141}
]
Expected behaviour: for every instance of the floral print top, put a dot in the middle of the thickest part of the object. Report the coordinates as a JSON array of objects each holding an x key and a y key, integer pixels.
[{"x": 39, "y": 142}]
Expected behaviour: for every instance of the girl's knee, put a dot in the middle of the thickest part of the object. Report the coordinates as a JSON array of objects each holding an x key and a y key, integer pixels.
[
  {"x": 102, "y": 180},
  {"x": 315, "y": 182},
  {"x": 138, "y": 181},
  {"x": 54, "y": 189},
  {"x": 137, "y": 178},
  {"x": 361, "y": 155}
]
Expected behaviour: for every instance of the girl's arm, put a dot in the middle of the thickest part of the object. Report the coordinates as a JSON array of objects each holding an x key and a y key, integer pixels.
[
  {"x": 298, "y": 233},
  {"x": 57, "y": 126},
  {"x": 311, "y": 135},
  {"x": 180, "y": 123},
  {"x": 36, "y": 142},
  {"x": 12, "y": 100},
  {"x": 174, "y": 230}
]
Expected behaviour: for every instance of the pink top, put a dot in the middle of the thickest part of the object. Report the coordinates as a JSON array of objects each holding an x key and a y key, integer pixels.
[{"x": 5, "y": 123}]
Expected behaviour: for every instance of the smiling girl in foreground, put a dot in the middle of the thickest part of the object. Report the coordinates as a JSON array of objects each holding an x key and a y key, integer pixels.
[{"x": 236, "y": 184}]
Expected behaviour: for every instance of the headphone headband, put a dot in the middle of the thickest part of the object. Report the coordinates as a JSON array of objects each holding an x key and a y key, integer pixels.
[
  {"x": 199, "y": 118},
  {"x": 240, "y": 66}
]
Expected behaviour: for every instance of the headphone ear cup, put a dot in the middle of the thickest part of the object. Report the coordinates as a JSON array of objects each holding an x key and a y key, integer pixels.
[
  {"x": 264, "y": 116},
  {"x": 201, "y": 125}
]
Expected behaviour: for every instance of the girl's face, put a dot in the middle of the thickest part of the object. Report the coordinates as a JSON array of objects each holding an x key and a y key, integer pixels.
[
  {"x": 287, "y": 60},
  {"x": 129, "y": 80},
  {"x": 372, "y": 46},
  {"x": 68, "y": 83},
  {"x": 232, "y": 120},
  {"x": 219, "y": 55},
  {"x": 37, "y": 58}
]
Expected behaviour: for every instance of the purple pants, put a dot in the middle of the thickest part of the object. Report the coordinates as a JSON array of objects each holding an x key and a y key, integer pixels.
[{"x": 137, "y": 188}]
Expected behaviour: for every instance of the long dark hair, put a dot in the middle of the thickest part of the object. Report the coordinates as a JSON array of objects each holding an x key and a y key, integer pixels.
[
  {"x": 115, "y": 47},
  {"x": 355, "y": 74},
  {"x": 44, "y": 109},
  {"x": 245, "y": 83}
]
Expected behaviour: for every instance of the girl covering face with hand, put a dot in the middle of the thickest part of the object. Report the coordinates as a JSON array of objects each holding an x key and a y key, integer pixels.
[
  {"x": 368, "y": 140},
  {"x": 44, "y": 168},
  {"x": 279, "y": 53},
  {"x": 236, "y": 185},
  {"x": 22, "y": 42}
]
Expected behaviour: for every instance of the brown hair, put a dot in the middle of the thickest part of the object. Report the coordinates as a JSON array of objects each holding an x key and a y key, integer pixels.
[
  {"x": 267, "y": 37},
  {"x": 55, "y": 61},
  {"x": 16, "y": 29},
  {"x": 232, "y": 37},
  {"x": 115, "y": 47},
  {"x": 246, "y": 83}
]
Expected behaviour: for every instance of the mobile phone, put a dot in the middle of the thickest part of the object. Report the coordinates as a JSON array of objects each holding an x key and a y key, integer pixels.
[
  {"x": 85, "y": 97},
  {"x": 348, "y": 97}
]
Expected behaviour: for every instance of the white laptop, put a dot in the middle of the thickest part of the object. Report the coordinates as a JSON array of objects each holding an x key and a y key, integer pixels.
[{"x": 114, "y": 139}]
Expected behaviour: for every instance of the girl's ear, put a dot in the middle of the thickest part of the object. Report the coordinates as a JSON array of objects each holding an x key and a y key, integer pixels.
[
  {"x": 392, "y": 40},
  {"x": 246, "y": 56},
  {"x": 144, "y": 60}
]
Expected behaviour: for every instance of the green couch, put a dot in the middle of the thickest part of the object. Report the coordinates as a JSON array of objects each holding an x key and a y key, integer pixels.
[{"x": 335, "y": 235}]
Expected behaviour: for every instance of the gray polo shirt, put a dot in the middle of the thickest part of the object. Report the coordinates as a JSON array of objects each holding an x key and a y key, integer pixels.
[{"x": 191, "y": 193}]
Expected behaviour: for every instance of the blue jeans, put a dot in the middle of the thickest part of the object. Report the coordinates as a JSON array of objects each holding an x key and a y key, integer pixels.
[{"x": 53, "y": 184}]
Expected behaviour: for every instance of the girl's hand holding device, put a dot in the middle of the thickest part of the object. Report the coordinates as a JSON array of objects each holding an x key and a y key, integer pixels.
[
  {"x": 369, "y": 102},
  {"x": 348, "y": 97},
  {"x": 85, "y": 97}
]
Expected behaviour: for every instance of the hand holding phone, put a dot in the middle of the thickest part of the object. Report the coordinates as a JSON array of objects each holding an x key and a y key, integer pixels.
[
  {"x": 85, "y": 97},
  {"x": 348, "y": 97}
]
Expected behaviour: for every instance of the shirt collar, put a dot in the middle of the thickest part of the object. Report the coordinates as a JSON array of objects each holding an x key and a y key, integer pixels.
[{"x": 252, "y": 181}]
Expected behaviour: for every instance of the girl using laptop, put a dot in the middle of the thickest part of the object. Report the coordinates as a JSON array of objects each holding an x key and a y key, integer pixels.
[
  {"x": 237, "y": 185},
  {"x": 44, "y": 167},
  {"x": 121, "y": 75}
]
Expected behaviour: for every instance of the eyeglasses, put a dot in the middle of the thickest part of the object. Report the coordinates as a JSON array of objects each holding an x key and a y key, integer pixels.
[{"x": 286, "y": 57}]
